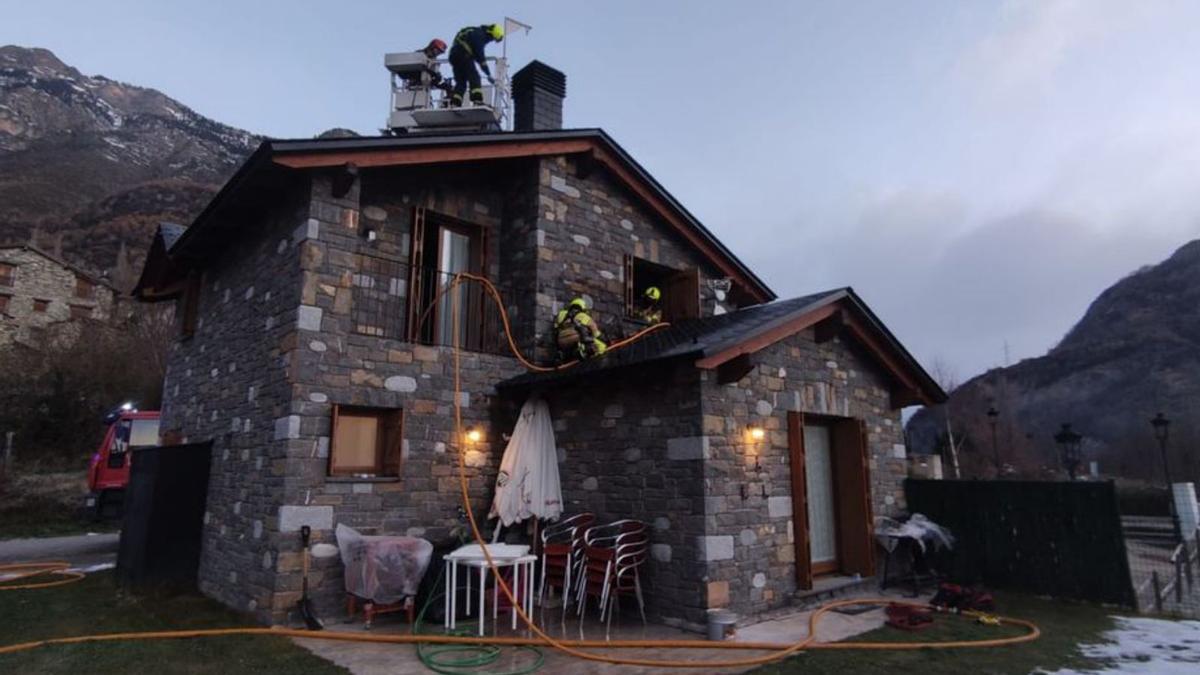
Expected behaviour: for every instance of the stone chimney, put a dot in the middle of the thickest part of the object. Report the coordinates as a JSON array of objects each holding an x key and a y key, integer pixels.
[{"x": 538, "y": 93}]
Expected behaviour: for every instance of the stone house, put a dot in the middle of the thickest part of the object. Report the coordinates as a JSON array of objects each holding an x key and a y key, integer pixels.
[
  {"x": 40, "y": 291},
  {"x": 757, "y": 436}
]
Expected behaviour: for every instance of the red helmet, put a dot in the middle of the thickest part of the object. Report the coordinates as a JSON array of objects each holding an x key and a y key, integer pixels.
[{"x": 436, "y": 45}]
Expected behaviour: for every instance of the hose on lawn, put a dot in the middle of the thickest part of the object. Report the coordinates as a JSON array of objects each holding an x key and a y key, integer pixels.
[
  {"x": 473, "y": 646},
  {"x": 19, "y": 571}
]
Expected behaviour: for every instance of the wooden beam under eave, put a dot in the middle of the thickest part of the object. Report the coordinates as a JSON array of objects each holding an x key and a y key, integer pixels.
[
  {"x": 830, "y": 328},
  {"x": 734, "y": 370},
  {"x": 902, "y": 397},
  {"x": 769, "y": 337},
  {"x": 436, "y": 155}
]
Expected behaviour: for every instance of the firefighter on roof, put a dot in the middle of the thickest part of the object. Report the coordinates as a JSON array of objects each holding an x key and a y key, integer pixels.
[
  {"x": 577, "y": 332},
  {"x": 467, "y": 51}
]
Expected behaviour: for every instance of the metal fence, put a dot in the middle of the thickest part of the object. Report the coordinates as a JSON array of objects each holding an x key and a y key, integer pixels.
[
  {"x": 1061, "y": 539},
  {"x": 385, "y": 305},
  {"x": 1164, "y": 565}
]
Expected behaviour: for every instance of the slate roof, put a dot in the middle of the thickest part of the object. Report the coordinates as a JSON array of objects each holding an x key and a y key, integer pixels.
[{"x": 691, "y": 338}]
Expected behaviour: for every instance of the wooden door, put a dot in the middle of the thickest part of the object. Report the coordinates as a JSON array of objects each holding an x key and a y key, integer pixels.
[
  {"x": 855, "y": 526},
  {"x": 804, "y": 571}
]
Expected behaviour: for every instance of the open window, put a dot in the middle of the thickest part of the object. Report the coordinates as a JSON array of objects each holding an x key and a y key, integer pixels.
[
  {"x": 441, "y": 248},
  {"x": 366, "y": 442},
  {"x": 680, "y": 289}
]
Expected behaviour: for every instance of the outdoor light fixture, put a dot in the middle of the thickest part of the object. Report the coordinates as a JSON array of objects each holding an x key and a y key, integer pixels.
[
  {"x": 1068, "y": 443},
  {"x": 474, "y": 435},
  {"x": 1162, "y": 428},
  {"x": 755, "y": 433}
]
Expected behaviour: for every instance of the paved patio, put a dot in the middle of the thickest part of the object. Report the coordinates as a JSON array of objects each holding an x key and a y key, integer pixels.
[{"x": 785, "y": 627}]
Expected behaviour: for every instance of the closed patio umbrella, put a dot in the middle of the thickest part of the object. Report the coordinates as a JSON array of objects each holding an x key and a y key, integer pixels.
[{"x": 528, "y": 484}]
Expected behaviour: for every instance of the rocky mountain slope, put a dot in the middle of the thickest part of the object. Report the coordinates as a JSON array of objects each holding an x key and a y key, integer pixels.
[
  {"x": 1135, "y": 351},
  {"x": 93, "y": 165}
]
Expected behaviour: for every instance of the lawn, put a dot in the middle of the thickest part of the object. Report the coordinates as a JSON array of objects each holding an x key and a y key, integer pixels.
[
  {"x": 94, "y": 605},
  {"x": 41, "y": 503},
  {"x": 1063, "y": 624}
]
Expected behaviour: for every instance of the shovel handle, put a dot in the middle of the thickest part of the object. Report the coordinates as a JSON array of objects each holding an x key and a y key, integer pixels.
[{"x": 305, "y": 533}]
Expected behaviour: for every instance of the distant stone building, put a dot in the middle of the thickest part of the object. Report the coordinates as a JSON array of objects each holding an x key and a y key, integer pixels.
[{"x": 40, "y": 292}]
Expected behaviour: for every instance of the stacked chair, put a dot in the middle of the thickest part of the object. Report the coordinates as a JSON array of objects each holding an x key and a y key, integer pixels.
[
  {"x": 562, "y": 555},
  {"x": 612, "y": 554}
]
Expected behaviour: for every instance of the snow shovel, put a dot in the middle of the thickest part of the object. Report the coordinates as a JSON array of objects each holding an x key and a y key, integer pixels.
[{"x": 304, "y": 604}]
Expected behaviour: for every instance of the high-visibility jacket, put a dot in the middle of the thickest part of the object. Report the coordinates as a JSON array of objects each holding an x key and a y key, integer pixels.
[
  {"x": 578, "y": 330},
  {"x": 471, "y": 42}
]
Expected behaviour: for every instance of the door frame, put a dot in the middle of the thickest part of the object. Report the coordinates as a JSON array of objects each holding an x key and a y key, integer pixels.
[{"x": 852, "y": 497}]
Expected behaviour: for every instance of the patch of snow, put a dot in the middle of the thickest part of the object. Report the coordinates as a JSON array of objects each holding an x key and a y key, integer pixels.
[{"x": 1142, "y": 645}]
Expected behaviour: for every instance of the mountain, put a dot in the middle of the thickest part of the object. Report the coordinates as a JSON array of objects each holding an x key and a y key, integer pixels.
[
  {"x": 1135, "y": 352},
  {"x": 92, "y": 165}
]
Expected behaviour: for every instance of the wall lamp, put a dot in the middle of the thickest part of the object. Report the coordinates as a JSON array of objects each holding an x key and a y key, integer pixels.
[{"x": 474, "y": 435}]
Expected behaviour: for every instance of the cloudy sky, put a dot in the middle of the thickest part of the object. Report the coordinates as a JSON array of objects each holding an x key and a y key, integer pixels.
[{"x": 978, "y": 171}]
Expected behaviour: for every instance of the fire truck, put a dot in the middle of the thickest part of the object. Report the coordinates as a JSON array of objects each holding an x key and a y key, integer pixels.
[{"x": 108, "y": 472}]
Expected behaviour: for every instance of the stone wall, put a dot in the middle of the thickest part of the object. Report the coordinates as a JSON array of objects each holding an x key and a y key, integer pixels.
[
  {"x": 336, "y": 364},
  {"x": 750, "y": 541},
  {"x": 37, "y": 277},
  {"x": 230, "y": 383},
  {"x": 629, "y": 447},
  {"x": 585, "y": 228}
]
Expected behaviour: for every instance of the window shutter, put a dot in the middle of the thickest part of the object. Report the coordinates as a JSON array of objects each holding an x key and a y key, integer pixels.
[
  {"x": 682, "y": 296},
  {"x": 393, "y": 442},
  {"x": 416, "y": 257},
  {"x": 795, "y": 429},
  {"x": 191, "y": 305},
  {"x": 629, "y": 306},
  {"x": 853, "y": 497}
]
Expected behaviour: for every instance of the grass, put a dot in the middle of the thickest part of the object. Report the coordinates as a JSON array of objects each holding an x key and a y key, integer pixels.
[
  {"x": 44, "y": 503},
  {"x": 95, "y": 605},
  {"x": 1064, "y": 626}
]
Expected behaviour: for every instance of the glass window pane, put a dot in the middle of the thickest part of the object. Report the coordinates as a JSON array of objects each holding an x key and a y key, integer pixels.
[{"x": 144, "y": 434}]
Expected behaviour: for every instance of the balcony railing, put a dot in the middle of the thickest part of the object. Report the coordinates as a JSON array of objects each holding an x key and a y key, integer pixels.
[{"x": 384, "y": 305}]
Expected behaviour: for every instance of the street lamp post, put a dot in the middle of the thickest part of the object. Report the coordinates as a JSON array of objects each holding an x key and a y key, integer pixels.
[
  {"x": 1068, "y": 443},
  {"x": 1162, "y": 427},
  {"x": 993, "y": 414}
]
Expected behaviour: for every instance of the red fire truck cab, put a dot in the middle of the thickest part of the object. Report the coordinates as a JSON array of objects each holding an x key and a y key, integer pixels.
[{"x": 108, "y": 474}]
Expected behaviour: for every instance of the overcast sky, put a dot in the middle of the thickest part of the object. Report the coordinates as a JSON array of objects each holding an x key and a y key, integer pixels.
[{"x": 978, "y": 171}]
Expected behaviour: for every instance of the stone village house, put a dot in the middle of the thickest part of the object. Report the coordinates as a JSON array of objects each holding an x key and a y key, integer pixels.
[
  {"x": 302, "y": 356},
  {"x": 40, "y": 292}
]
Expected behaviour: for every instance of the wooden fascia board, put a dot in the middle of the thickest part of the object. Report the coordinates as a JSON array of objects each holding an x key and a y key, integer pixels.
[
  {"x": 870, "y": 340},
  {"x": 434, "y": 155},
  {"x": 669, "y": 214},
  {"x": 769, "y": 337}
]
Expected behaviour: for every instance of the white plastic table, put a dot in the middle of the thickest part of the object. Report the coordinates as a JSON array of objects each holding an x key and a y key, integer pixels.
[{"x": 472, "y": 557}]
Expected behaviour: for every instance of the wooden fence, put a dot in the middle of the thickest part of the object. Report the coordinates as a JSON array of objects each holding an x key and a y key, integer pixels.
[{"x": 1057, "y": 539}]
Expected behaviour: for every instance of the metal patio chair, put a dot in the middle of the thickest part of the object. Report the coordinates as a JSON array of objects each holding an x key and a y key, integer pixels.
[
  {"x": 562, "y": 555},
  {"x": 631, "y": 552},
  {"x": 600, "y": 547}
]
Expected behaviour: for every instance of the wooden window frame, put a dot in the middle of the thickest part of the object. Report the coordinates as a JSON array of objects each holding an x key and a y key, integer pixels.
[
  {"x": 389, "y": 442},
  {"x": 5, "y": 301},
  {"x": 8, "y": 275},
  {"x": 422, "y": 218},
  {"x": 41, "y": 306},
  {"x": 680, "y": 289},
  {"x": 189, "y": 307},
  {"x": 85, "y": 289}
]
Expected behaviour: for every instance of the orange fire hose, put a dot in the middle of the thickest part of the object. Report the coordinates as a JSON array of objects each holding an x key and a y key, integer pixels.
[{"x": 571, "y": 647}]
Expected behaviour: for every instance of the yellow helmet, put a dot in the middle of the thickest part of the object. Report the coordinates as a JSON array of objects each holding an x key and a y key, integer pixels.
[
  {"x": 496, "y": 31},
  {"x": 579, "y": 303},
  {"x": 652, "y": 293}
]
